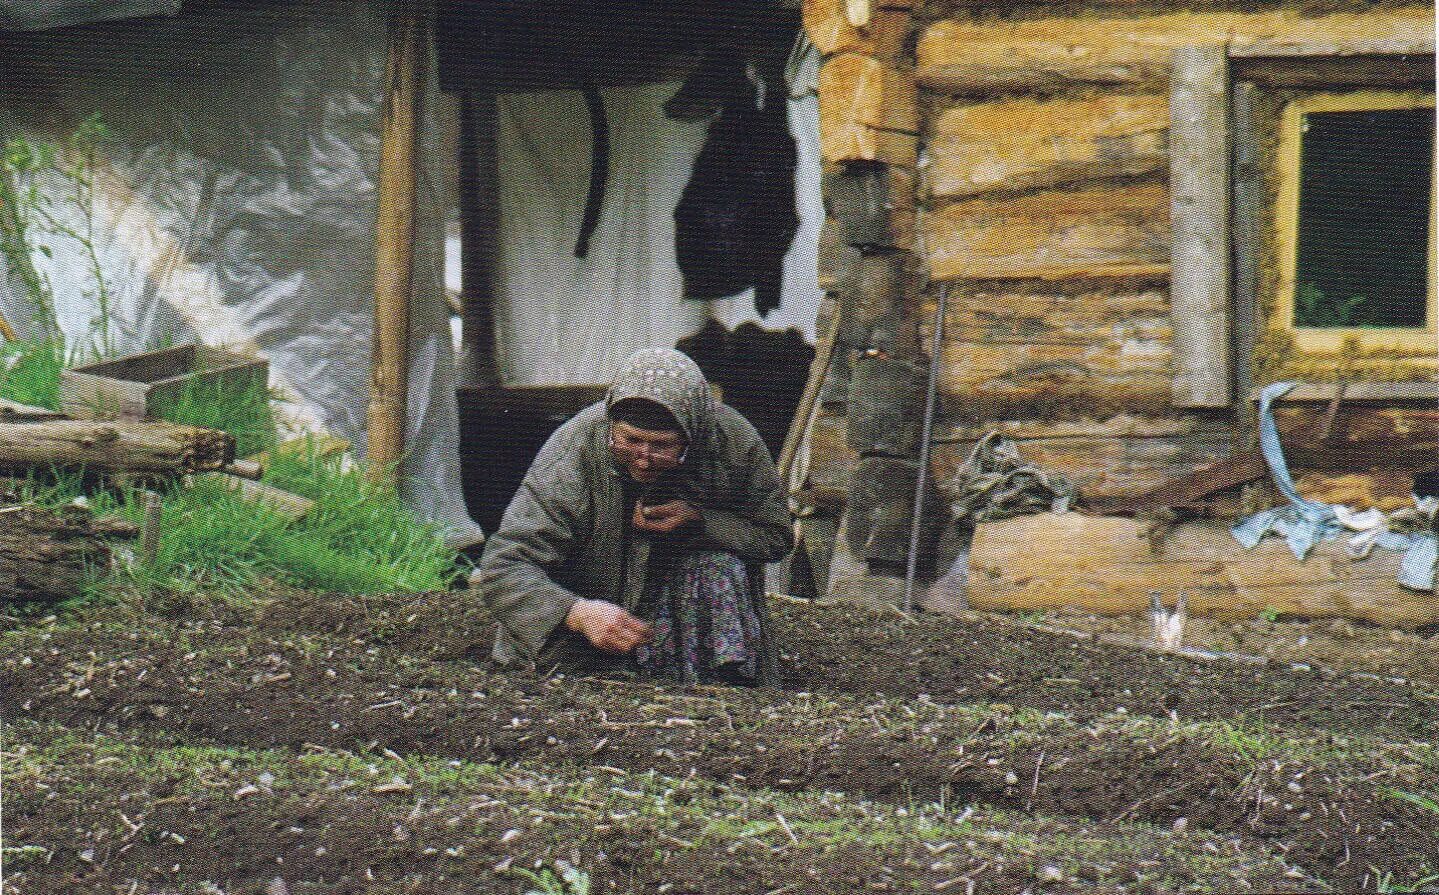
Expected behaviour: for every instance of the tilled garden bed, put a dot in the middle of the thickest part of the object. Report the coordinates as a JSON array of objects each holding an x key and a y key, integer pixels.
[{"x": 1326, "y": 770}]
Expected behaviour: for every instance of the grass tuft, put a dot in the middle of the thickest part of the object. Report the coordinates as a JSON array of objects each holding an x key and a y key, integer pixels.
[{"x": 244, "y": 410}]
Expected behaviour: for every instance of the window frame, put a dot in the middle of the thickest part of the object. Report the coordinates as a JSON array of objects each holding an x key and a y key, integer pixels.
[
  {"x": 1286, "y": 223},
  {"x": 1222, "y": 212}
]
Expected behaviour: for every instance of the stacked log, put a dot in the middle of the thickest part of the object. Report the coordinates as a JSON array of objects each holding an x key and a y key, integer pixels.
[
  {"x": 46, "y": 557},
  {"x": 869, "y": 143},
  {"x": 136, "y": 447}
]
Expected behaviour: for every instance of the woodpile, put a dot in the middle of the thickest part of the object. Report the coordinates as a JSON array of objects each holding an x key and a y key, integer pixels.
[
  {"x": 45, "y": 556},
  {"x": 119, "y": 446}
]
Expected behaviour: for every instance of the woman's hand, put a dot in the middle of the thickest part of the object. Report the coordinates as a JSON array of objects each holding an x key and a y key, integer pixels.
[
  {"x": 663, "y": 518},
  {"x": 607, "y": 626}
]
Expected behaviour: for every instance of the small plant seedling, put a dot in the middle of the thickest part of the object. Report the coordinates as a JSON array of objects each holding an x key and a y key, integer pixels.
[
  {"x": 1269, "y": 615},
  {"x": 564, "y": 879}
]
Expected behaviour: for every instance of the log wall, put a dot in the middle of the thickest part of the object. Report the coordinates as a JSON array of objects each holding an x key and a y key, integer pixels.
[
  {"x": 1038, "y": 139},
  {"x": 1045, "y": 197}
]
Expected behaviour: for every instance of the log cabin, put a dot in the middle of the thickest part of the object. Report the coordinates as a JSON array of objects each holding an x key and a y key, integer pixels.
[{"x": 1141, "y": 214}]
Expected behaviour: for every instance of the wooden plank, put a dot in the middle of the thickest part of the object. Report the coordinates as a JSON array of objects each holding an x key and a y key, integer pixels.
[
  {"x": 1043, "y": 54},
  {"x": 867, "y": 112},
  {"x": 1097, "y": 232},
  {"x": 873, "y": 203},
  {"x": 1027, "y": 144},
  {"x": 1330, "y": 72},
  {"x": 1245, "y": 235},
  {"x": 1199, "y": 184},
  {"x": 320, "y": 446},
  {"x": 873, "y": 301},
  {"x": 1134, "y": 323},
  {"x": 291, "y": 506},
  {"x": 1311, "y": 47},
  {"x": 1100, "y": 564},
  {"x": 151, "y": 447},
  {"x": 15, "y": 412}
]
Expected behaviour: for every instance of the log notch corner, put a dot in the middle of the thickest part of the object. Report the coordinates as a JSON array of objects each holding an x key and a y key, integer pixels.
[
  {"x": 869, "y": 137},
  {"x": 1200, "y": 300}
]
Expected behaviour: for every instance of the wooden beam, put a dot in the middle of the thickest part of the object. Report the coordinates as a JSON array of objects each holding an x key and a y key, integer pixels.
[
  {"x": 1101, "y": 564},
  {"x": 395, "y": 240},
  {"x": 1026, "y": 144},
  {"x": 1390, "y": 45},
  {"x": 1108, "y": 231},
  {"x": 1199, "y": 210},
  {"x": 868, "y": 112},
  {"x": 1360, "y": 391}
]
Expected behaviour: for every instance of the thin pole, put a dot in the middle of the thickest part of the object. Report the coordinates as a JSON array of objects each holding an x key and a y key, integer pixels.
[
  {"x": 395, "y": 242},
  {"x": 478, "y": 226},
  {"x": 922, "y": 479}
]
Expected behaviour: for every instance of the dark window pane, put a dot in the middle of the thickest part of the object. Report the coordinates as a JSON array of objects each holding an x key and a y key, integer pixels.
[{"x": 1364, "y": 194}]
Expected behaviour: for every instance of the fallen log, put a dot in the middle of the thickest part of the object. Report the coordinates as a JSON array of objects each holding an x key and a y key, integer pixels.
[
  {"x": 45, "y": 557},
  {"x": 148, "y": 447}
]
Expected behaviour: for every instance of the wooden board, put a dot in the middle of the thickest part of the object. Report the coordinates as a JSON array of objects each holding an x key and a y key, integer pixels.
[
  {"x": 1199, "y": 183},
  {"x": 1097, "y": 232},
  {"x": 1104, "y": 467},
  {"x": 874, "y": 204},
  {"x": 129, "y": 446},
  {"x": 291, "y": 506},
  {"x": 1099, "y": 564},
  {"x": 867, "y": 112},
  {"x": 138, "y": 385},
  {"x": 316, "y": 445},
  {"x": 1027, "y": 144},
  {"x": 978, "y": 58}
]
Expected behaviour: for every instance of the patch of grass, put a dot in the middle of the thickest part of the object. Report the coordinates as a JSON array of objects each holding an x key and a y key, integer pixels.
[
  {"x": 365, "y": 524},
  {"x": 30, "y": 371},
  {"x": 245, "y": 410},
  {"x": 1424, "y": 802},
  {"x": 358, "y": 539}
]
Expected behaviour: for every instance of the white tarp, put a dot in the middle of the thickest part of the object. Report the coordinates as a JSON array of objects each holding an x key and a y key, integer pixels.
[
  {"x": 563, "y": 320},
  {"x": 237, "y": 205}
]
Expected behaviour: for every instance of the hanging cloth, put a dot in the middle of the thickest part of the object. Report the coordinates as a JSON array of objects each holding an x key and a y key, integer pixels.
[{"x": 736, "y": 219}]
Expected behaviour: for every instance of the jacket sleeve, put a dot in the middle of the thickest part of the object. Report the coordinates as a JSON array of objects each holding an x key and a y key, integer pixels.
[
  {"x": 535, "y": 537},
  {"x": 756, "y": 526}
]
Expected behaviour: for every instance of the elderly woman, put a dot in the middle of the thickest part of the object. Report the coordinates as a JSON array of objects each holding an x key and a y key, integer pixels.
[{"x": 632, "y": 532}]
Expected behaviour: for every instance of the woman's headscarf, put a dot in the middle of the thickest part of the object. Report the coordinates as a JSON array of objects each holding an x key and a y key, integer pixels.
[{"x": 673, "y": 381}]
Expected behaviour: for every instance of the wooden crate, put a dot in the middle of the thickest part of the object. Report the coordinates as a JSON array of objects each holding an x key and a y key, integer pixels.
[{"x": 135, "y": 386}]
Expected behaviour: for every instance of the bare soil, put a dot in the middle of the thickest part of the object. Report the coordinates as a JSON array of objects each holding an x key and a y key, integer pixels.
[{"x": 1219, "y": 772}]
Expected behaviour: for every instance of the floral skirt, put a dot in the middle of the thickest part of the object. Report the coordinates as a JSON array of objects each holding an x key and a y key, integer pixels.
[{"x": 705, "y": 626}]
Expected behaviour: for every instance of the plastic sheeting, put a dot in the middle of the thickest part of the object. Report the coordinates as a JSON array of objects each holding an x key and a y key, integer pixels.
[
  {"x": 238, "y": 207},
  {"x": 562, "y": 320},
  {"x": 39, "y": 15}
]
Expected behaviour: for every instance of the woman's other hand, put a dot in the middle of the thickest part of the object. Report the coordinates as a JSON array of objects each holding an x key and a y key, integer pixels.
[{"x": 663, "y": 518}]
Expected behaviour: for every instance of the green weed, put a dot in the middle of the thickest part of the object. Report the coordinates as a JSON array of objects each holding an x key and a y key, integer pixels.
[
  {"x": 562, "y": 880},
  {"x": 245, "y": 410},
  {"x": 1427, "y": 803}
]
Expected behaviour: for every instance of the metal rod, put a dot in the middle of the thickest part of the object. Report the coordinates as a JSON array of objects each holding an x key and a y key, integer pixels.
[{"x": 921, "y": 480}]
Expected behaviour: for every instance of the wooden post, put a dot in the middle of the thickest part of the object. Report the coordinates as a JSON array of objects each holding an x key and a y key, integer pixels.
[
  {"x": 1200, "y": 282},
  {"x": 395, "y": 239},
  {"x": 479, "y": 229}
]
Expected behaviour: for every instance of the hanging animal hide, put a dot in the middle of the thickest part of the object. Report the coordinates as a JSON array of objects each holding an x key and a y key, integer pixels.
[{"x": 736, "y": 219}]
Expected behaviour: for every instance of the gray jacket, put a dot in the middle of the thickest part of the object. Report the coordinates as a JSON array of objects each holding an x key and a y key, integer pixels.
[{"x": 563, "y": 536}]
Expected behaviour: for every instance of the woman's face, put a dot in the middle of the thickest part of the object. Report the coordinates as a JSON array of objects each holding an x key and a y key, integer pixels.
[{"x": 646, "y": 454}]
